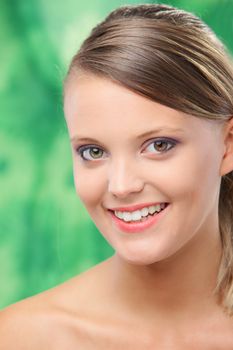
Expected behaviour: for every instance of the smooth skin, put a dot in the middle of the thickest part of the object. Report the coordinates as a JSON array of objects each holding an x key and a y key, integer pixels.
[{"x": 156, "y": 291}]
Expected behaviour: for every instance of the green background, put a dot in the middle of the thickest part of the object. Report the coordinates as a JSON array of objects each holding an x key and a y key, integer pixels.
[{"x": 46, "y": 235}]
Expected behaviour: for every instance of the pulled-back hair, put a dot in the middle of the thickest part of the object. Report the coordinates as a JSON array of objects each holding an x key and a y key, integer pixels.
[{"x": 171, "y": 57}]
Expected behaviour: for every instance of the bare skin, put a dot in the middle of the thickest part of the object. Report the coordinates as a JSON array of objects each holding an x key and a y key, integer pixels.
[
  {"x": 156, "y": 291},
  {"x": 87, "y": 313}
]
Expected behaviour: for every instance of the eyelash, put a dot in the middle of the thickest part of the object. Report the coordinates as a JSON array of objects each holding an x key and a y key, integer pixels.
[{"x": 80, "y": 150}]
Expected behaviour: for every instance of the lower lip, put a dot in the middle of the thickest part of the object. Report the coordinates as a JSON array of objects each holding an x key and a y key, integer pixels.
[{"x": 135, "y": 227}]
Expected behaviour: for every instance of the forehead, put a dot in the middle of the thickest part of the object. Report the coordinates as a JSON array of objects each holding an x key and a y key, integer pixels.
[
  {"x": 92, "y": 101},
  {"x": 89, "y": 94}
]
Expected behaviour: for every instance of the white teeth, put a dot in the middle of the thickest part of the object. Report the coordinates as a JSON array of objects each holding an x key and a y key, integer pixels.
[
  {"x": 119, "y": 214},
  {"x": 152, "y": 209},
  {"x": 144, "y": 212},
  {"x": 139, "y": 214},
  {"x": 155, "y": 208},
  {"x": 126, "y": 216},
  {"x": 136, "y": 215}
]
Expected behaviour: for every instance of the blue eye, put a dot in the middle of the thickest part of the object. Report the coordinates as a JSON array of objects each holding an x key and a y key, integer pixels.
[
  {"x": 90, "y": 152},
  {"x": 160, "y": 145}
]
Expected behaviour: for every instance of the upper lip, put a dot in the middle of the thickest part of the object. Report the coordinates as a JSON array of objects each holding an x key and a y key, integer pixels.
[{"x": 135, "y": 206}]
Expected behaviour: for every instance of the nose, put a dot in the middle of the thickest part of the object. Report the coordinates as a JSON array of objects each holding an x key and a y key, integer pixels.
[{"x": 124, "y": 179}]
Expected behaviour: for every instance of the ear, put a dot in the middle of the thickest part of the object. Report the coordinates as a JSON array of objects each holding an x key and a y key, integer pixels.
[{"x": 227, "y": 160}]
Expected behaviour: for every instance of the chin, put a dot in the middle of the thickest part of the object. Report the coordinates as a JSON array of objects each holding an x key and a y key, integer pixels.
[{"x": 142, "y": 259}]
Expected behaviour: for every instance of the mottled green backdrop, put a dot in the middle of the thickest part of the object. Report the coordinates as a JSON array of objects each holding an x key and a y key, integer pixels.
[{"x": 46, "y": 235}]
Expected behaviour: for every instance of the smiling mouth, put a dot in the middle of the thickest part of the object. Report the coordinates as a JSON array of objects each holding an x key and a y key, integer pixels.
[
  {"x": 136, "y": 224},
  {"x": 139, "y": 215}
]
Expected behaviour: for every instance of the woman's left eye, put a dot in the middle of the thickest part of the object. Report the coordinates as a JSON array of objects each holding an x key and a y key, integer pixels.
[{"x": 160, "y": 145}]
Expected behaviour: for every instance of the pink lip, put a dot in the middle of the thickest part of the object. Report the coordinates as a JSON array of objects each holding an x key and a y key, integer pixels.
[
  {"x": 134, "y": 207},
  {"x": 136, "y": 227}
]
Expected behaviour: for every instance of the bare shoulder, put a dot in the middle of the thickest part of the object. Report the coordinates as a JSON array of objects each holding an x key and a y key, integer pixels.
[
  {"x": 59, "y": 318},
  {"x": 26, "y": 325},
  {"x": 44, "y": 321}
]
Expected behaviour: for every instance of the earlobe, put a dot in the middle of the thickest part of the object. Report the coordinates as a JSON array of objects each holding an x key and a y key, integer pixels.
[{"x": 227, "y": 160}]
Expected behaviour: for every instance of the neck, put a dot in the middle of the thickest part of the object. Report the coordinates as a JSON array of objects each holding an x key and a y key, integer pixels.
[{"x": 180, "y": 284}]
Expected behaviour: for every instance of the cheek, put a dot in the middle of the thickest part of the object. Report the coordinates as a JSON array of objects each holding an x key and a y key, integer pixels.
[
  {"x": 189, "y": 177},
  {"x": 199, "y": 176},
  {"x": 89, "y": 185}
]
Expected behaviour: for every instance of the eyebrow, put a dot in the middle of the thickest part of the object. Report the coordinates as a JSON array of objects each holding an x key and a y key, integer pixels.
[
  {"x": 145, "y": 134},
  {"x": 160, "y": 129},
  {"x": 82, "y": 139}
]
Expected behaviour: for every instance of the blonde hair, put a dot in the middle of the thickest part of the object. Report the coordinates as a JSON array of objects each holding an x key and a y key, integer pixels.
[{"x": 170, "y": 56}]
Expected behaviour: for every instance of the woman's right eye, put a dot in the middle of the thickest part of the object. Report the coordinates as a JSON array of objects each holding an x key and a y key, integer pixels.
[{"x": 90, "y": 153}]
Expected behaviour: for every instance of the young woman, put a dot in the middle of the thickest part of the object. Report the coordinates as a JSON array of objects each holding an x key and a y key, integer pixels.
[{"x": 148, "y": 101}]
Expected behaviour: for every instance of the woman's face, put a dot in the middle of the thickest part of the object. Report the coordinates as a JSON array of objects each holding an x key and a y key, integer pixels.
[{"x": 129, "y": 154}]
